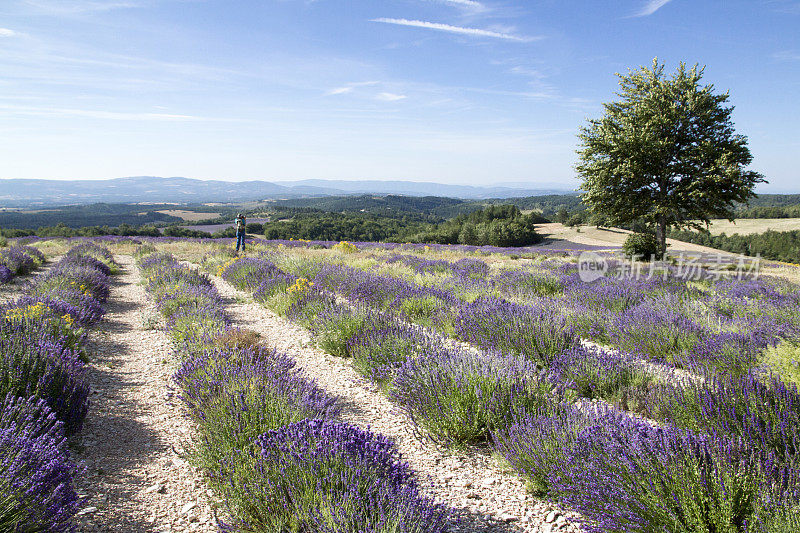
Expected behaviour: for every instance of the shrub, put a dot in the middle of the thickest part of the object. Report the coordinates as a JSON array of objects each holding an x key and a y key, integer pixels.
[
  {"x": 537, "y": 332},
  {"x": 623, "y": 474},
  {"x": 238, "y": 339},
  {"x": 596, "y": 373},
  {"x": 459, "y": 396},
  {"x": 377, "y": 353},
  {"x": 235, "y": 395},
  {"x": 194, "y": 329},
  {"x": 317, "y": 475},
  {"x": 334, "y": 330},
  {"x": 33, "y": 365},
  {"x": 84, "y": 279},
  {"x": 21, "y": 260},
  {"x": 519, "y": 282},
  {"x": 422, "y": 309},
  {"x": 656, "y": 332},
  {"x": 83, "y": 308},
  {"x": 345, "y": 247},
  {"x": 642, "y": 245},
  {"x": 763, "y": 412},
  {"x": 36, "y": 473},
  {"x": 536, "y": 442},
  {"x": 47, "y": 321},
  {"x": 5, "y": 274}
]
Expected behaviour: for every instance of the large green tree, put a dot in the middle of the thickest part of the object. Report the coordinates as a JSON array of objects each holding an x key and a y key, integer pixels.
[{"x": 665, "y": 153}]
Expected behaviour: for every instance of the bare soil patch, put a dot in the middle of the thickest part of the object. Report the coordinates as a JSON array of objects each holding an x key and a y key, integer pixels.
[{"x": 136, "y": 479}]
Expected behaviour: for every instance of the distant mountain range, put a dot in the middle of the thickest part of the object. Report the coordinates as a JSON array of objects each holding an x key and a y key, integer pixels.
[{"x": 35, "y": 192}]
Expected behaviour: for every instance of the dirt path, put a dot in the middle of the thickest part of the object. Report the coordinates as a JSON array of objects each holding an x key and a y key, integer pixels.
[
  {"x": 135, "y": 481},
  {"x": 470, "y": 481},
  {"x": 19, "y": 285}
]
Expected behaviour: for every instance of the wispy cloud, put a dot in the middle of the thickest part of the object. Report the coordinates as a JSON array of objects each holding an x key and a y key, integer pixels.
[
  {"x": 651, "y": 7},
  {"x": 469, "y": 4},
  {"x": 350, "y": 87},
  {"x": 787, "y": 55},
  {"x": 5, "y": 32},
  {"x": 476, "y": 32},
  {"x": 81, "y": 6},
  {"x": 791, "y": 7},
  {"x": 390, "y": 97}
]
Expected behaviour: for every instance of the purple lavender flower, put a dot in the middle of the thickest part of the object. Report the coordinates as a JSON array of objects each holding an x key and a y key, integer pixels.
[
  {"x": 319, "y": 475},
  {"x": 461, "y": 396},
  {"x": 36, "y": 473},
  {"x": 33, "y": 363}
]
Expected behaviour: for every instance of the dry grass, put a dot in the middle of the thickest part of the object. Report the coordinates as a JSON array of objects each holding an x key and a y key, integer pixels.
[
  {"x": 748, "y": 226},
  {"x": 190, "y": 216},
  {"x": 607, "y": 237}
]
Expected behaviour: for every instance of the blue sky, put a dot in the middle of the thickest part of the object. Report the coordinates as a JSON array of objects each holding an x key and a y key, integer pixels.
[{"x": 455, "y": 91}]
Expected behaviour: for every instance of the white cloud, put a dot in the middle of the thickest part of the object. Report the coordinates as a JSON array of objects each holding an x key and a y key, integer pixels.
[
  {"x": 787, "y": 55},
  {"x": 81, "y": 6},
  {"x": 470, "y": 4},
  {"x": 340, "y": 90},
  {"x": 455, "y": 29},
  {"x": 651, "y": 7},
  {"x": 5, "y": 32},
  {"x": 350, "y": 87},
  {"x": 390, "y": 97}
]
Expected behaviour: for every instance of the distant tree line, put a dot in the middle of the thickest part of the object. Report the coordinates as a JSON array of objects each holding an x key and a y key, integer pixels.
[
  {"x": 338, "y": 227},
  {"x": 497, "y": 225},
  {"x": 502, "y": 225},
  {"x": 786, "y": 211},
  {"x": 62, "y": 230},
  {"x": 776, "y": 245},
  {"x": 79, "y": 216}
]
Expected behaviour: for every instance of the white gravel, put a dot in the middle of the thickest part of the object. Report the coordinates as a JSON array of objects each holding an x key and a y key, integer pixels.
[
  {"x": 487, "y": 497},
  {"x": 132, "y": 441}
]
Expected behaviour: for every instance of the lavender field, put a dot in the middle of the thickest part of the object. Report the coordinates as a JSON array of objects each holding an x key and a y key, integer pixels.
[{"x": 492, "y": 389}]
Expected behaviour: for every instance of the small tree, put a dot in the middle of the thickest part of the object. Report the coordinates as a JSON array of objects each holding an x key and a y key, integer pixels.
[{"x": 665, "y": 153}]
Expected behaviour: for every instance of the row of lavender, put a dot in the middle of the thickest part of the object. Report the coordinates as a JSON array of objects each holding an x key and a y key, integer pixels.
[
  {"x": 18, "y": 261},
  {"x": 43, "y": 381},
  {"x": 267, "y": 437},
  {"x": 720, "y": 458}
]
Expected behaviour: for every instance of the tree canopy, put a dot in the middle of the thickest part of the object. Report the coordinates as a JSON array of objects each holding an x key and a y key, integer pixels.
[{"x": 665, "y": 153}]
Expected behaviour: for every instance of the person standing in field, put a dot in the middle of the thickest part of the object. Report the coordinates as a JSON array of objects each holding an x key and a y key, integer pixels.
[{"x": 241, "y": 224}]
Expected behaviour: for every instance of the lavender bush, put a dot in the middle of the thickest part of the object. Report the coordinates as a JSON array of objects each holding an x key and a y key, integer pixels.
[
  {"x": 378, "y": 352},
  {"x": 536, "y": 442},
  {"x": 764, "y": 412},
  {"x": 235, "y": 395},
  {"x": 623, "y": 474},
  {"x": 82, "y": 309},
  {"x": 5, "y": 273},
  {"x": 537, "y": 332},
  {"x": 32, "y": 364},
  {"x": 64, "y": 275},
  {"x": 596, "y": 373},
  {"x": 21, "y": 260},
  {"x": 318, "y": 475},
  {"x": 36, "y": 472},
  {"x": 460, "y": 396}
]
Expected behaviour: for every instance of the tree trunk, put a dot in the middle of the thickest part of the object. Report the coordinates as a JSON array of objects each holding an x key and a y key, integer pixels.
[{"x": 661, "y": 236}]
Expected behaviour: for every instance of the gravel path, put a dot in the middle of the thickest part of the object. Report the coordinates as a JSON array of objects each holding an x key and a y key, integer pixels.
[
  {"x": 19, "y": 285},
  {"x": 471, "y": 481},
  {"x": 135, "y": 480}
]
